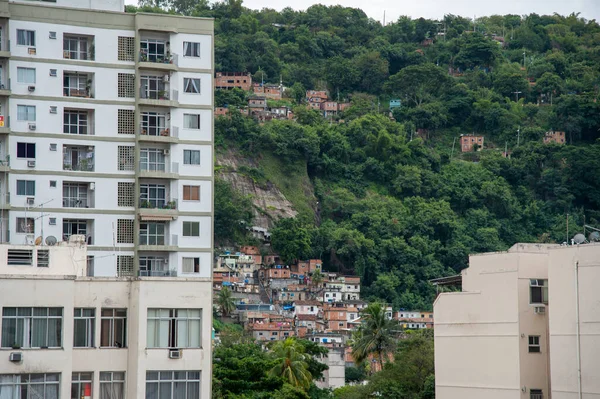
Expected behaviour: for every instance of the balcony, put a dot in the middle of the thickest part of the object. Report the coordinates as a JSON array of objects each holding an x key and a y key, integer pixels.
[
  {"x": 4, "y": 122},
  {"x": 79, "y": 85},
  {"x": 80, "y": 159},
  {"x": 77, "y": 47},
  {"x": 155, "y": 266},
  {"x": 155, "y": 91},
  {"x": 155, "y": 210},
  {"x": 163, "y": 61},
  {"x": 78, "y": 227},
  {"x": 78, "y": 195},
  {"x": 5, "y": 88},
  {"x": 5, "y": 201},
  {"x": 5, "y": 165},
  {"x": 159, "y": 134},
  {"x": 166, "y": 170},
  {"x": 165, "y": 242}
]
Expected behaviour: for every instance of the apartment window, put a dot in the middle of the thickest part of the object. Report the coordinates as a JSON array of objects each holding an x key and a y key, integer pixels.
[
  {"x": 32, "y": 327},
  {"x": 534, "y": 344},
  {"x": 172, "y": 384},
  {"x": 153, "y": 123},
  {"x": 153, "y": 195},
  {"x": 154, "y": 266},
  {"x": 152, "y": 159},
  {"x": 125, "y": 231},
  {"x": 30, "y": 385},
  {"x": 20, "y": 257},
  {"x": 113, "y": 328},
  {"x": 26, "y": 75},
  {"x": 126, "y": 157},
  {"x": 125, "y": 192},
  {"x": 191, "y": 49},
  {"x": 191, "y": 229},
  {"x": 76, "y": 47},
  {"x": 83, "y": 333},
  {"x": 538, "y": 291},
  {"x": 126, "y": 121},
  {"x": 26, "y": 37},
  {"x": 191, "y": 265},
  {"x": 126, "y": 85},
  {"x": 75, "y": 195},
  {"x": 26, "y": 150},
  {"x": 125, "y": 266},
  {"x": 126, "y": 48},
  {"x": 74, "y": 227},
  {"x": 191, "y": 85},
  {"x": 26, "y": 187},
  {"x": 26, "y": 113},
  {"x": 112, "y": 385},
  {"x": 191, "y": 193},
  {"x": 90, "y": 266},
  {"x": 81, "y": 385},
  {"x": 152, "y": 87},
  {"x": 191, "y": 121},
  {"x": 191, "y": 157},
  {"x": 75, "y": 121},
  {"x": 25, "y": 225},
  {"x": 152, "y": 50},
  {"x": 152, "y": 234},
  {"x": 75, "y": 84},
  {"x": 536, "y": 394},
  {"x": 43, "y": 258},
  {"x": 174, "y": 328}
]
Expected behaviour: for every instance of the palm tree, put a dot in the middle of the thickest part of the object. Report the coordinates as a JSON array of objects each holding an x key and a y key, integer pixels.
[
  {"x": 225, "y": 302},
  {"x": 291, "y": 363},
  {"x": 375, "y": 335},
  {"x": 317, "y": 278}
]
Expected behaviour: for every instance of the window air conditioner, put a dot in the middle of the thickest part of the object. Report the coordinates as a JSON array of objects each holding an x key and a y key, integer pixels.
[
  {"x": 167, "y": 152},
  {"x": 52, "y": 221},
  {"x": 166, "y": 78},
  {"x": 31, "y": 51},
  {"x": 32, "y": 126},
  {"x": 539, "y": 310},
  {"x": 175, "y": 354},
  {"x": 52, "y": 35},
  {"x": 31, "y": 164},
  {"x": 31, "y": 88},
  {"x": 30, "y": 200},
  {"x": 53, "y": 109},
  {"x": 16, "y": 357}
]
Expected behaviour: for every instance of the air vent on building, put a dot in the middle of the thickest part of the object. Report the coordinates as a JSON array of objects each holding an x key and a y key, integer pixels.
[
  {"x": 52, "y": 35},
  {"x": 167, "y": 151},
  {"x": 31, "y": 164},
  {"x": 53, "y": 72},
  {"x": 52, "y": 183},
  {"x": 30, "y": 200},
  {"x": 31, "y": 88},
  {"x": 32, "y": 126},
  {"x": 53, "y": 147},
  {"x": 16, "y": 357},
  {"x": 175, "y": 354},
  {"x": 53, "y": 109}
]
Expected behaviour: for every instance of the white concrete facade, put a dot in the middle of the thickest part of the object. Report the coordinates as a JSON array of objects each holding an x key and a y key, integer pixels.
[
  {"x": 525, "y": 322},
  {"x": 106, "y": 131},
  {"x": 64, "y": 285}
]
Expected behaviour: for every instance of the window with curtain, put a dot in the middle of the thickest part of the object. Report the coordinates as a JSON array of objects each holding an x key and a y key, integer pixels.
[
  {"x": 191, "y": 49},
  {"x": 32, "y": 327},
  {"x": 81, "y": 385},
  {"x": 191, "y": 157},
  {"x": 172, "y": 384},
  {"x": 191, "y": 121},
  {"x": 21, "y": 386},
  {"x": 26, "y": 113},
  {"x": 25, "y": 75},
  {"x": 25, "y": 37},
  {"x": 174, "y": 328},
  {"x": 112, "y": 385},
  {"x": 191, "y": 85},
  {"x": 153, "y": 123},
  {"x": 26, "y": 187},
  {"x": 113, "y": 328},
  {"x": 83, "y": 330}
]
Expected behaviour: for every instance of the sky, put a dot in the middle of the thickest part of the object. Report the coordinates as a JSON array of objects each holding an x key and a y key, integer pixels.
[{"x": 589, "y": 9}]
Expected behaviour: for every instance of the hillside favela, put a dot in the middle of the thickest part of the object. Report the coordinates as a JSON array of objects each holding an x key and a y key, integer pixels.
[{"x": 217, "y": 199}]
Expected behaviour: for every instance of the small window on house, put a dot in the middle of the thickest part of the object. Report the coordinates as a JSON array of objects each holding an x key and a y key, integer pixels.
[
  {"x": 534, "y": 344},
  {"x": 25, "y": 225},
  {"x": 26, "y": 75},
  {"x": 26, "y": 150},
  {"x": 538, "y": 291},
  {"x": 126, "y": 48},
  {"x": 20, "y": 257},
  {"x": 191, "y": 85},
  {"x": 26, "y": 113},
  {"x": 191, "y": 157},
  {"x": 125, "y": 231},
  {"x": 26, "y": 37},
  {"x": 191, "y": 265},
  {"x": 191, "y": 121},
  {"x": 43, "y": 258},
  {"x": 191, "y": 229},
  {"x": 191, "y": 49},
  {"x": 26, "y": 187},
  {"x": 191, "y": 193},
  {"x": 536, "y": 394}
]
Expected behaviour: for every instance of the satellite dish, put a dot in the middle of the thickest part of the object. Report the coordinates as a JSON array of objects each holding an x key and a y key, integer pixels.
[
  {"x": 579, "y": 239},
  {"x": 594, "y": 236},
  {"x": 38, "y": 240},
  {"x": 50, "y": 240}
]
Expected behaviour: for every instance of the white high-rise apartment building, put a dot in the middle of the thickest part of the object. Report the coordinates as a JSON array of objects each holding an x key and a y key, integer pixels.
[{"x": 106, "y": 132}]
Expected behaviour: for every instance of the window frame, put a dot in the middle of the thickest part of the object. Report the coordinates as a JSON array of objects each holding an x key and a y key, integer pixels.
[
  {"x": 78, "y": 122},
  {"x": 191, "y": 228},
  {"x": 89, "y": 325},
  {"x": 112, "y": 379},
  {"x": 195, "y": 118},
  {"x": 29, "y": 36},
  {"x": 153, "y": 123},
  {"x": 76, "y": 195},
  {"x": 195, "y": 264},
  {"x": 24, "y": 70},
  {"x": 28, "y": 326},
  {"x": 109, "y": 321},
  {"x": 26, "y": 150},
  {"x": 29, "y": 225},
  {"x": 151, "y": 193},
  {"x": 191, "y": 155},
  {"x": 26, "y": 187},
  {"x": 192, "y": 86},
  {"x": 193, "y": 193},
  {"x": 534, "y": 286},
  {"x": 155, "y": 55},
  {"x": 156, "y": 382},
  {"x": 151, "y": 86},
  {"x": 534, "y": 344},
  {"x": 77, "y": 42},
  {"x": 152, "y": 159},
  {"x": 30, "y": 113},
  {"x": 194, "y": 49},
  {"x": 26, "y": 382},
  {"x": 173, "y": 319},
  {"x": 78, "y": 383},
  {"x": 150, "y": 233}
]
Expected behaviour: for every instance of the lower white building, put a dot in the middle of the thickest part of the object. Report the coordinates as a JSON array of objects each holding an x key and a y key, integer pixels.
[
  {"x": 335, "y": 376},
  {"x": 64, "y": 334}
]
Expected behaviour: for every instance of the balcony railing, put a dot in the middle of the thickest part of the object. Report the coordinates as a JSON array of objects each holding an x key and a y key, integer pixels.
[
  {"x": 85, "y": 93},
  {"x": 75, "y": 203},
  {"x": 159, "y": 203},
  {"x": 166, "y": 58},
  {"x": 155, "y": 131},
  {"x": 85, "y": 165},
  {"x": 166, "y": 167},
  {"x": 166, "y": 239},
  {"x": 158, "y": 273}
]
